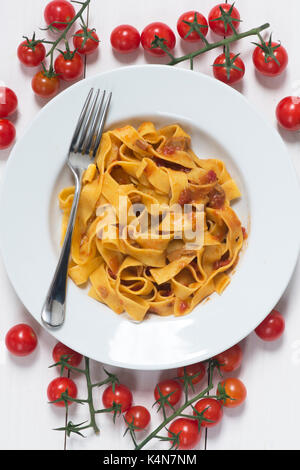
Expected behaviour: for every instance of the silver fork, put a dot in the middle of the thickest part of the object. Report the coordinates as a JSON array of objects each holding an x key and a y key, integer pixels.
[{"x": 83, "y": 149}]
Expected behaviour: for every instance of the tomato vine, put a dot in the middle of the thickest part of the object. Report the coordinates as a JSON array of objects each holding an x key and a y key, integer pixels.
[
  {"x": 63, "y": 35},
  {"x": 163, "y": 402},
  {"x": 159, "y": 42}
]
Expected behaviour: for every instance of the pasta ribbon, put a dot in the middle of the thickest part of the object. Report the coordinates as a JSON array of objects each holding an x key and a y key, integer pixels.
[{"x": 128, "y": 241}]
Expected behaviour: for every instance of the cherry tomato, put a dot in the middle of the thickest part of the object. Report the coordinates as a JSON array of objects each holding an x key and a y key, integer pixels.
[
  {"x": 60, "y": 350},
  {"x": 217, "y": 25},
  {"x": 288, "y": 113},
  {"x": 166, "y": 387},
  {"x": 272, "y": 327},
  {"x": 230, "y": 359},
  {"x": 183, "y": 28},
  {"x": 45, "y": 86},
  {"x": 233, "y": 75},
  {"x": 8, "y": 102},
  {"x": 31, "y": 53},
  {"x": 163, "y": 32},
  {"x": 58, "y": 13},
  {"x": 266, "y": 64},
  {"x": 86, "y": 42},
  {"x": 125, "y": 38},
  {"x": 193, "y": 369},
  {"x": 139, "y": 416},
  {"x": 213, "y": 411},
  {"x": 236, "y": 390},
  {"x": 69, "y": 69},
  {"x": 121, "y": 396},
  {"x": 7, "y": 133},
  {"x": 189, "y": 435},
  {"x": 59, "y": 386},
  {"x": 21, "y": 340}
]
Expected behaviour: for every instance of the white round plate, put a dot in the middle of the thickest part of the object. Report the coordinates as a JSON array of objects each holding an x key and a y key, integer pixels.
[{"x": 222, "y": 125}]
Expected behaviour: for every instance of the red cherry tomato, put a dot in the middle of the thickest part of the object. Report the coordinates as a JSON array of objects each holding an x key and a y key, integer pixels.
[
  {"x": 163, "y": 32},
  {"x": 69, "y": 69},
  {"x": 21, "y": 340},
  {"x": 213, "y": 411},
  {"x": 45, "y": 86},
  {"x": 139, "y": 416},
  {"x": 31, "y": 53},
  {"x": 230, "y": 359},
  {"x": 166, "y": 387},
  {"x": 236, "y": 390},
  {"x": 7, "y": 133},
  {"x": 233, "y": 75},
  {"x": 86, "y": 42},
  {"x": 59, "y": 350},
  {"x": 183, "y": 28},
  {"x": 266, "y": 64},
  {"x": 8, "y": 102},
  {"x": 272, "y": 327},
  {"x": 288, "y": 113},
  {"x": 59, "y": 13},
  {"x": 216, "y": 23},
  {"x": 189, "y": 435},
  {"x": 125, "y": 38},
  {"x": 197, "y": 369},
  {"x": 59, "y": 386},
  {"x": 121, "y": 396}
]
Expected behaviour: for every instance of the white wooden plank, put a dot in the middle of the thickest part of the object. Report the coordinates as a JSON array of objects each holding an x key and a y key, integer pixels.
[
  {"x": 262, "y": 362},
  {"x": 23, "y": 398},
  {"x": 269, "y": 371},
  {"x": 268, "y": 419},
  {"x": 24, "y": 381}
]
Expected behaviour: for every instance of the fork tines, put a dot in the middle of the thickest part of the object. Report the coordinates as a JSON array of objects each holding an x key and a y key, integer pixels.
[{"x": 88, "y": 132}]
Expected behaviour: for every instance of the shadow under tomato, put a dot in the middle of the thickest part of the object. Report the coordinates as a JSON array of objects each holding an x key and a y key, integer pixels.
[
  {"x": 239, "y": 86},
  {"x": 212, "y": 433},
  {"x": 92, "y": 58},
  {"x": 153, "y": 59},
  {"x": 273, "y": 83},
  {"x": 4, "y": 154},
  {"x": 189, "y": 47},
  {"x": 291, "y": 137},
  {"x": 43, "y": 101},
  {"x": 126, "y": 58}
]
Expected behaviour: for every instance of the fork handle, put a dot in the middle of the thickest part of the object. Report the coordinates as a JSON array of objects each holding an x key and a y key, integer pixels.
[{"x": 53, "y": 311}]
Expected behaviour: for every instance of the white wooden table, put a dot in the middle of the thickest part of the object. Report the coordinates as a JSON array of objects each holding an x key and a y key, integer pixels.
[{"x": 269, "y": 418}]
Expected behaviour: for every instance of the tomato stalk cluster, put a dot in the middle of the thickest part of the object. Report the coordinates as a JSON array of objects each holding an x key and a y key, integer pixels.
[
  {"x": 63, "y": 36},
  {"x": 224, "y": 20},
  {"x": 69, "y": 64},
  {"x": 164, "y": 403},
  {"x": 185, "y": 424},
  {"x": 66, "y": 398},
  {"x": 208, "y": 46}
]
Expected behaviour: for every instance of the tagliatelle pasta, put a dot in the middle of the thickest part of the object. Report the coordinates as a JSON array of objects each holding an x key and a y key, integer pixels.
[{"x": 139, "y": 254}]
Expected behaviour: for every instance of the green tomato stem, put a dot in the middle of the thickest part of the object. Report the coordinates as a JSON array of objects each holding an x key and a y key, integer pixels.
[{"x": 223, "y": 42}]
